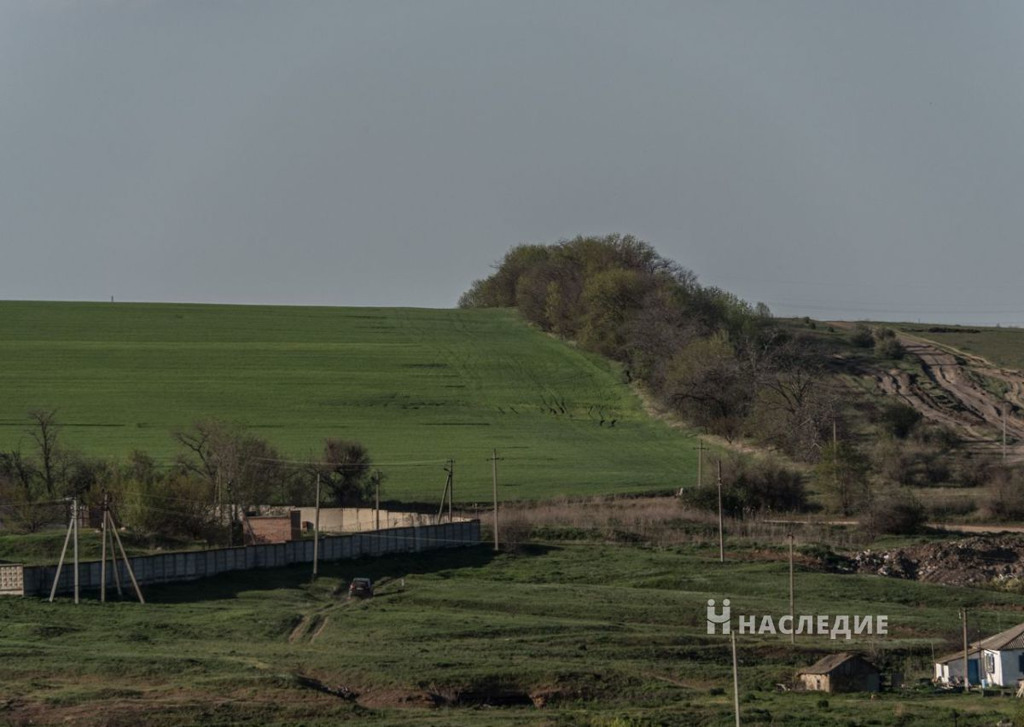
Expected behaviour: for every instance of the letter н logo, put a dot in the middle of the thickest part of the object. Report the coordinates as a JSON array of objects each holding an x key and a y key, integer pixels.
[{"x": 724, "y": 618}]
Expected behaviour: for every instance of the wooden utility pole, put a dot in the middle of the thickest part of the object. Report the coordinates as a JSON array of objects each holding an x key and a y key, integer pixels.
[
  {"x": 967, "y": 673},
  {"x": 735, "y": 680},
  {"x": 494, "y": 489},
  {"x": 316, "y": 529},
  {"x": 792, "y": 610},
  {"x": 721, "y": 523}
]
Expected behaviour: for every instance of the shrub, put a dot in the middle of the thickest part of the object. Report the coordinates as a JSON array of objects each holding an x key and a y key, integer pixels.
[
  {"x": 899, "y": 419},
  {"x": 889, "y": 348},
  {"x": 751, "y": 486},
  {"x": 515, "y": 532},
  {"x": 970, "y": 471},
  {"x": 894, "y": 512},
  {"x": 861, "y": 337},
  {"x": 1005, "y": 497}
]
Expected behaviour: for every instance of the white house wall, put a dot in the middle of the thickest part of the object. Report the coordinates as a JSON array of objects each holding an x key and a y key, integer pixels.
[{"x": 1008, "y": 667}]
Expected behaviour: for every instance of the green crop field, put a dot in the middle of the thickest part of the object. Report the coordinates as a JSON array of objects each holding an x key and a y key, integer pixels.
[
  {"x": 1001, "y": 346},
  {"x": 416, "y": 386},
  {"x": 596, "y": 633}
]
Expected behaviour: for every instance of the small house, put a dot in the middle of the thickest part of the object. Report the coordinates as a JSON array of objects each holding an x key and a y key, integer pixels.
[
  {"x": 1002, "y": 658},
  {"x": 843, "y": 672},
  {"x": 997, "y": 661}
]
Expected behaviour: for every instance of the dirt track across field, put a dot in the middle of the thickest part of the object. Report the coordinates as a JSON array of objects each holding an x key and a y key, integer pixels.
[{"x": 951, "y": 390}]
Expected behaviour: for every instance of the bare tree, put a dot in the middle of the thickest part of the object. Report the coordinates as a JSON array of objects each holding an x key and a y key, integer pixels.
[
  {"x": 45, "y": 433},
  {"x": 237, "y": 465}
]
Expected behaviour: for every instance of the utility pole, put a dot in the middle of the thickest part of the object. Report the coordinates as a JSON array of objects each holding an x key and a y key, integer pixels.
[
  {"x": 376, "y": 496},
  {"x": 792, "y": 610},
  {"x": 494, "y": 488},
  {"x": 835, "y": 457},
  {"x": 446, "y": 495},
  {"x": 700, "y": 461},
  {"x": 103, "y": 549},
  {"x": 967, "y": 674},
  {"x": 1004, "y": 432},
  {"x": 451, "y": 488},
  {"x": 735, "y": 680},
  {"x": 108, "y": 528},
  {"x": 74, "y": 521},
  {"x": 72, "y": 528},
  {"x": 124, "y": 557},
  {"x": 721, "y": 523},
  {"x": 316, "y": 529}
]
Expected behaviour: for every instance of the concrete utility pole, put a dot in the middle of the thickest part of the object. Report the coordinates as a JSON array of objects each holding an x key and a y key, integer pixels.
[
  {"x": 376, "y": 496},
  {"x": 700, "y": 461},
  {"x": 792, "y": 610},
  {"x": 735, "y": 680},
  {"x": 1004, "y": 432},
  {"x": 124, "y": 557},
  {"x": 721, "y": 523},
  {"x": 449, "y": 469},
  {"x": 316, "y": 529},
  {"x": 494, "y": 488},
  {"x": 74, "y": 522},
  {"x": 72, "y": 529},
  {"x": 451, "y": 488},
  {"x": 103, "y": 548},
  {"x": 967, "y": 674}
]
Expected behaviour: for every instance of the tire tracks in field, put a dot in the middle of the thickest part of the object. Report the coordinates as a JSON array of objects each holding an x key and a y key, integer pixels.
[{"x": 950, "y": 394}]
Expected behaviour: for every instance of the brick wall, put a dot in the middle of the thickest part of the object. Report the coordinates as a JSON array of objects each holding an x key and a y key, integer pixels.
[{"x": 275, "y": 529}]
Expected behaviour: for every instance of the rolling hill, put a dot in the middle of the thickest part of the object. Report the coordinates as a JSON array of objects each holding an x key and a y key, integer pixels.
[{"x": 416, "y": 386}]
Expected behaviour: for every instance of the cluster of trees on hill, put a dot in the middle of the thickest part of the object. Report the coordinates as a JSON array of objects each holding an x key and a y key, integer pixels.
[
  {"x": 221, "y": 470},
  {"x": 730, "y": 368},
  {"x": 719, "y": 362}
]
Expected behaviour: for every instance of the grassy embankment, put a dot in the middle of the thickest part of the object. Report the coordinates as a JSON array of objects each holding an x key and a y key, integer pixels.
[
  {"x": 415, "y": 386},
  {"x": 598, "y": 633}
]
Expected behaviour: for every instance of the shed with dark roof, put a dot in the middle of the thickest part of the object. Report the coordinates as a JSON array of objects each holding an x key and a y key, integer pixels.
[{"x": 843, "y": 672}]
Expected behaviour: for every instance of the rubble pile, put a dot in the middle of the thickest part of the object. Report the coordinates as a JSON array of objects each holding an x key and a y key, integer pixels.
[{"x": 975, "y": 561}]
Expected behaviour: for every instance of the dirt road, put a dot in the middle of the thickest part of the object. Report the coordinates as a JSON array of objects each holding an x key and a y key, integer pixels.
[{"x": 958, "y": 390}]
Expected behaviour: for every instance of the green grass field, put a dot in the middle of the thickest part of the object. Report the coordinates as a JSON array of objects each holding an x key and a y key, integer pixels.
[
  {"x": 601, "y": 633},
  {"x": 416, "y": 386},
  {"x": 1001, "y": 346}
]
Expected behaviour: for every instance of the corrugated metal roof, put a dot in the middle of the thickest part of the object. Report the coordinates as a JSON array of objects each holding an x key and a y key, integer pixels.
[
  {"x": 972, "y": 653},
  {"x": 1012, "y": 638},
  {"x": 829, "y": 663}
]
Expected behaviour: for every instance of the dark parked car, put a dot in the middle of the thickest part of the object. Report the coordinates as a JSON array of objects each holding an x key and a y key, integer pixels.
[{"x": 360, "y": 588}]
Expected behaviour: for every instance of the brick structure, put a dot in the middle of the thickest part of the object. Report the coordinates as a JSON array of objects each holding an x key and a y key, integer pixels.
[{"x": 275, "y": 528}]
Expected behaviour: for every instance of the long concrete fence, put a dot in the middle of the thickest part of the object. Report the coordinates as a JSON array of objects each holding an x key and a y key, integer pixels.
[{"x": 192, "y": 565}]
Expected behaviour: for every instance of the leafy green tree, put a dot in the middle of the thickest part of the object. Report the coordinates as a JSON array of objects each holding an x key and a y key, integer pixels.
[{"x": 344, "y": 469}]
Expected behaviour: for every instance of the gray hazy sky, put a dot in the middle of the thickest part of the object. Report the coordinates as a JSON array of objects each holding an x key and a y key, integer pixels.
[{"x": 837, "y": 159}]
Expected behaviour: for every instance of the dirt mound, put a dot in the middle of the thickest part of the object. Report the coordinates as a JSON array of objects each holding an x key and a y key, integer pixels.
[{"x": 975, "y": 561}]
